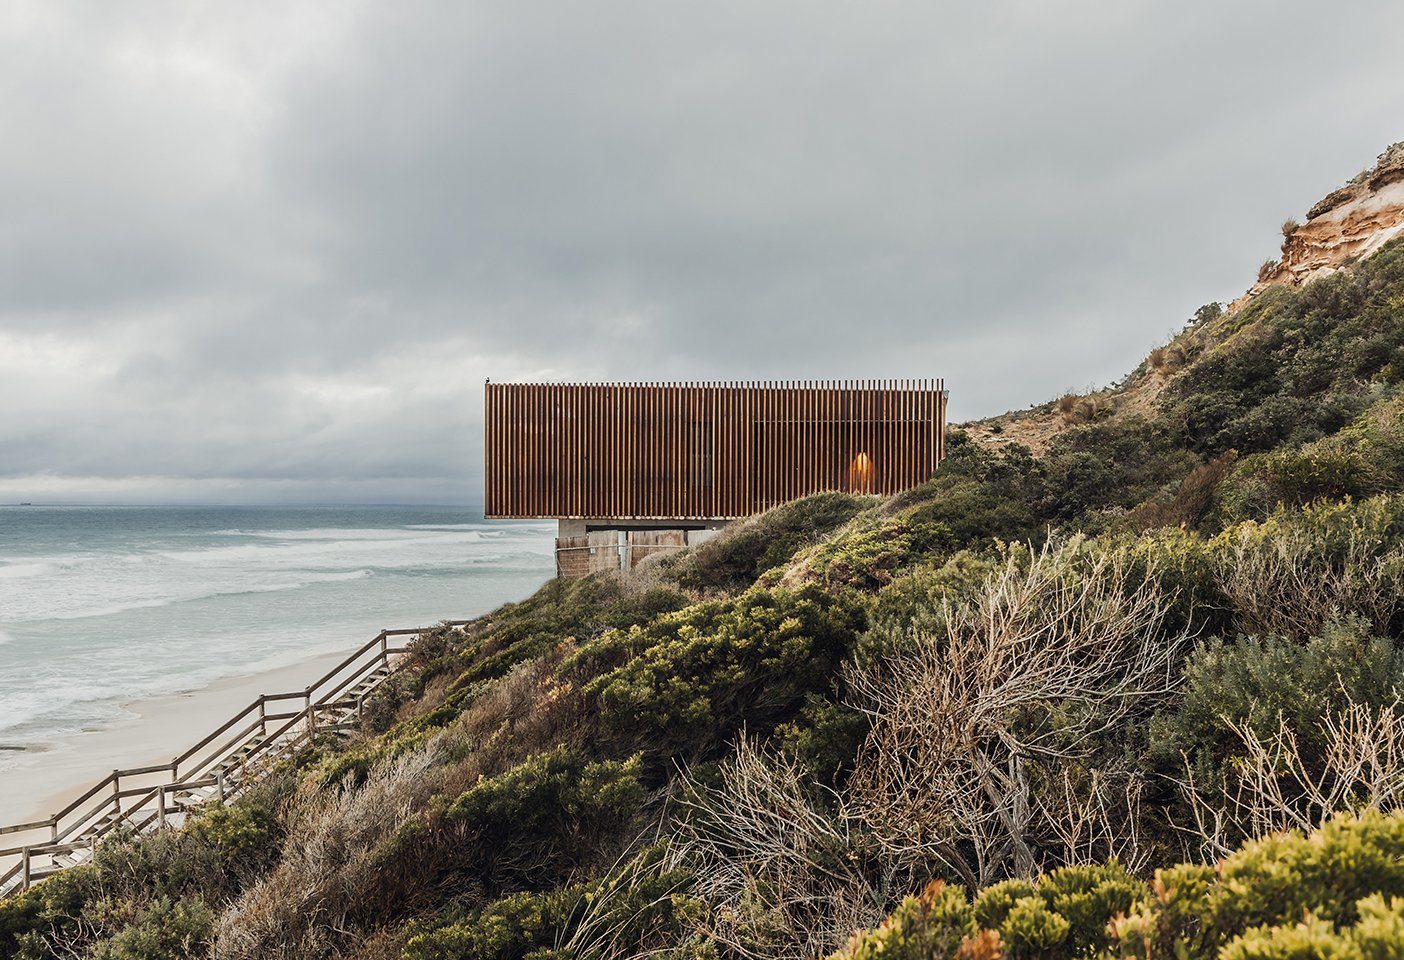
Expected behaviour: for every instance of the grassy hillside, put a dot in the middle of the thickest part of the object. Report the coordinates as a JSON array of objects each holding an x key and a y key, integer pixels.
[{"x": 986, "y": 716}]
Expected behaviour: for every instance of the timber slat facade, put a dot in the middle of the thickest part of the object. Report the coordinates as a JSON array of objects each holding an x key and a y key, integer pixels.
[{"x": 661, "y": 451}]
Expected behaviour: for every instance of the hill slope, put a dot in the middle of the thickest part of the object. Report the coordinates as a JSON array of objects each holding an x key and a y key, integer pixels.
[
  {"x": 996, "y": 704},
  {"x": 1346, "y": 226}
]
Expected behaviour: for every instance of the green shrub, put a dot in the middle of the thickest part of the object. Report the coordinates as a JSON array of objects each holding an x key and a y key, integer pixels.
[
  {"x": 1065, "y": 914},
  {"x": 735, "y": 558},
  {"x": 51, "y": 909},
  {"x": 994, "y": 902},
  {"x": 634, "y": 907},
  {"x": 824, "y": 738},
  {"x": 1290, "y": 477},
  {"x": 508, "y": 929},
  {"x": 1336, "y": 893},
  {"x": 1259, "y": 683},
  {"x": 1254, "y": 907},
  {"x": 1032, "y": 929},
  {"x": 561, "y": 610},
  {"x": 866, "y": 555},
  {"x": 929, "y": 925},
  {"x": 166, "y": 930},
  {"x": 548, "y": 816},
  {"x": 687, "y": 682}
]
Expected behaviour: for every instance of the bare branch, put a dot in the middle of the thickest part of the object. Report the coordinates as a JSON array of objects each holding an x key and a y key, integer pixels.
[{"x": 968, "y": 722}]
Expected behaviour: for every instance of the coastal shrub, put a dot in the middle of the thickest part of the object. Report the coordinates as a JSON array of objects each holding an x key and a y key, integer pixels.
[
  {"x": 866, "y": 555},
  {"x": 632, "y": 908},
  {"x": 979, "y": 495},
  {"x": 1336, "y": 892},
  {"x": 561, "y": 610},
  {"x": 1292, "y": 477},
  {"x": 548, "y": 816},
  {"x": 736, "y": 557},
  {"x": 344, "y": 866},
  {"x": 245, "y": 835},
  {"x": 1115, "y": 464},
  {"x": 165, "y": 930},
  {"x": 1261, "y": 683},
  {"x": 1365, "y": 457},
  {"x": 49, "y": 911},
  {"x": 1344, "y": 875},
  {"x": 928, "y": 925},
  {"x": 1294, "y": 366},
  {"x": 685, "y": 683},
  {"x": 1192, "y": 499},
  {"x": 824, "y": 738},
  {"x": 1294, "y": 572}
]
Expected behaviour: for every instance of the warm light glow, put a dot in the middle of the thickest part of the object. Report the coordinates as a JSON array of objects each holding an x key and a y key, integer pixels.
[{"x": 860, "y": 474}]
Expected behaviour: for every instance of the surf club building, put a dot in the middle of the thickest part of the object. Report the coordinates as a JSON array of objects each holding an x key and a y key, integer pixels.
[{"x": 634, "y": 469}]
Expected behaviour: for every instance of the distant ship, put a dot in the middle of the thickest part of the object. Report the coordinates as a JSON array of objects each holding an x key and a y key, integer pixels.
[{"x": 25, "y": 503}]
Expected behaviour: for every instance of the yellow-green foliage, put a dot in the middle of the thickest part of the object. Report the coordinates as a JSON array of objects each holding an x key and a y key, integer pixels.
[
  {"x": 1255, "y": 904},
  {"x": 1338, "y": 892},
  {"x": 546, "y": 817},
  {"x": 1364, "y": 458},
  {"x": 687, "y": 681},
  {"x": 737, "y": 557},
  {"x": 868, "y": 552},
  {"x": 621, "y": 913},
  {"x": 930, "y": 924},
  {"x": 1065, "y": 914}
]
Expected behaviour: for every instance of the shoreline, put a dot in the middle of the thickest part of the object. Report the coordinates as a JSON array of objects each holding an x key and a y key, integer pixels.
[{"x": 158, "y": 729}]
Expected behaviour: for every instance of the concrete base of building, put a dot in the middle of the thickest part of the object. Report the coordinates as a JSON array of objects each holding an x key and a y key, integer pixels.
[{"x": 599, "y": 545}]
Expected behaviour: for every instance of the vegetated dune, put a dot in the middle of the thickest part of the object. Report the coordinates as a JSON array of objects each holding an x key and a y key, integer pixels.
[
  {"x": 1347, "y": 225},
  {"x": 1086, "y": 702}
]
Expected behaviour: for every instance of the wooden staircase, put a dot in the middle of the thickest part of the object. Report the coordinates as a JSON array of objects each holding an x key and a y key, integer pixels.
[{"x": 224, "y": 764}]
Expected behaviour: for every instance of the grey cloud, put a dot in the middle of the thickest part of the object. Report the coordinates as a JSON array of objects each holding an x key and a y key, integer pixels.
[{"x": 300, "y": 237}]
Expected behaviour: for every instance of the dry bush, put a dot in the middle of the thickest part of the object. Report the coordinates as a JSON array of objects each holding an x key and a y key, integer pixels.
[
  {"x": 1192, "y": 498},
  {"x": 429, "y": 645},
  {"x": 1268, "y": 268},
  {"x": 1287, "y": 584},
  {"x": 1067, "y": 406},
  {"x": 971, "y": 722},
  {"x": 330, "y": 871},
  {"x": 778, "y": 875},
  {"x": 1274, "y": 788},
  {"x": 1156, "y": 358},
  {"x": 1290, "y": 226},
  {"x": 529, "y": 711}
]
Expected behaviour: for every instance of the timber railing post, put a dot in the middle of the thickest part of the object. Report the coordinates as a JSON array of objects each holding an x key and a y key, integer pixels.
[{"x": 211, "y": 763}]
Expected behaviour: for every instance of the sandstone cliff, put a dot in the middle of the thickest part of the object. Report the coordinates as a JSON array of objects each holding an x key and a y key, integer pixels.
[{"x": 1347, "y": 225}]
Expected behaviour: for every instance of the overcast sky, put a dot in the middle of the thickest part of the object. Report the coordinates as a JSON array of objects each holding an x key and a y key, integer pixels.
[{"x": 270, "y": 250}]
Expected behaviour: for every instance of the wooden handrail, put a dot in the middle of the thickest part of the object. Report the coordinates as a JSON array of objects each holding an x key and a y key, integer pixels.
[{"x": 265, "y": 737}]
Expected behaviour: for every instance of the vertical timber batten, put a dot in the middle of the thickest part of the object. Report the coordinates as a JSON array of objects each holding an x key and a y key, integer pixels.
[{"x": 703, "y": 451}]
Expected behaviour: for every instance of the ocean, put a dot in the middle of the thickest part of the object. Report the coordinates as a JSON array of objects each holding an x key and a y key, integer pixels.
[{"x": 101, "y": 606}]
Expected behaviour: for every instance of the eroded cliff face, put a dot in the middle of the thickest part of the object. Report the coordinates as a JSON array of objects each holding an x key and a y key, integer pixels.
[
  {"x": 1350, "y": 223},
  {"x": 1347, "y": 225}
]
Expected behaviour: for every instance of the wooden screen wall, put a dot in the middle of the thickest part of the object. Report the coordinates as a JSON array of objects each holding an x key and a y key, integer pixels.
[{"x": 703, "y": 450}]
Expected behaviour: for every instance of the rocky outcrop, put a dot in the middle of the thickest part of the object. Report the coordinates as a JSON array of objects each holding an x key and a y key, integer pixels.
[
  {"x": 1347, "y": 225},
  {"x": 1350, "y": 223}
]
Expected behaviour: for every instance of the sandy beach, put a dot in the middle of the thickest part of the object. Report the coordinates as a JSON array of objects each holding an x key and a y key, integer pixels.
[{"x": 159, "y": 729}]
